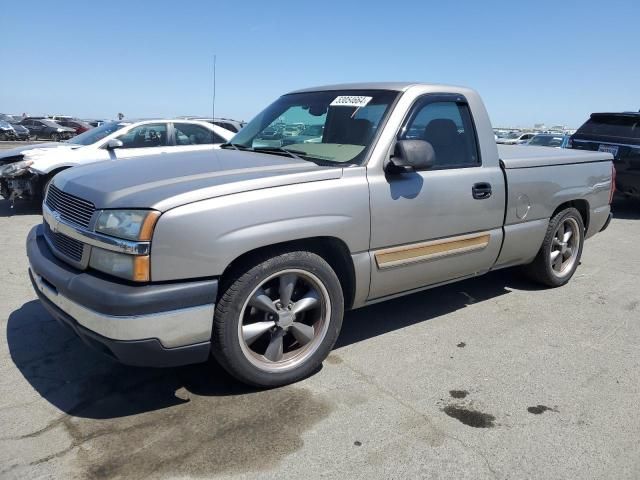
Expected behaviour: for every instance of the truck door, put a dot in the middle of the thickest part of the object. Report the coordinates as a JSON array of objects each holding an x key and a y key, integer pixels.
[{"x": 440, "y": 224}]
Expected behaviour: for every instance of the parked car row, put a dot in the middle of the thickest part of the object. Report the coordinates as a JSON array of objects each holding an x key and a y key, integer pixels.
[
  {"x": 35, "y": 128},
  {"x": 43, "y": 128},
  {"x": 615, "y": 133},
  {"x": 62, "y": 127}
]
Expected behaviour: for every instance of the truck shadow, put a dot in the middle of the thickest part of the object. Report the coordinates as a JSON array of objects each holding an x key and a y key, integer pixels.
[
  {"x": 21, "y": 207},
  {"x": 84, "y": 383},
  {"x": 385, "y": 317}
]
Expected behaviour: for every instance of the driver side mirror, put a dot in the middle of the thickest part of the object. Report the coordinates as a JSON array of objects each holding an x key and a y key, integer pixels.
[
  {"x": 113, "y": 144},
  {"x": 411, "y": 155}
]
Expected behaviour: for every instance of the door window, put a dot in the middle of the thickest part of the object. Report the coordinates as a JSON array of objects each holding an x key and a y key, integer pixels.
[
  {"x": 448, "y": 127},
  {"x": 191, "y": 134},
  {"x": 144, "y": 136}
]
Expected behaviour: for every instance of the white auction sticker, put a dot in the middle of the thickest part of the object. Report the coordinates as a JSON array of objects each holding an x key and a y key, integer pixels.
[{"x": 350, "y": 101}]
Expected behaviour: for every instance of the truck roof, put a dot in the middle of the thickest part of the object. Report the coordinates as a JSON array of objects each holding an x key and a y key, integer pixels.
[
  {"x": 397, "y": 86},
  {"x": 615, "y": 114}
]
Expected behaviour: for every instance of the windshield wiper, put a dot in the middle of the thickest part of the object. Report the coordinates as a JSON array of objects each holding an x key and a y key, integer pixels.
[
  {"x": 292, "y": 153},
  {"x": 235, "y": 146}
]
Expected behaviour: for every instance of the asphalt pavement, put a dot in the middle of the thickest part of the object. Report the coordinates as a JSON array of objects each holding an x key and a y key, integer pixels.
[{"x": 492, "y": 377}]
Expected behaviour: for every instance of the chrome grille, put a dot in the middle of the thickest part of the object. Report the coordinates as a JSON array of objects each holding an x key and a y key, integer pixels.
[
  {"x": 71, "y": 208},
  {"x": 67, "y": 246}
]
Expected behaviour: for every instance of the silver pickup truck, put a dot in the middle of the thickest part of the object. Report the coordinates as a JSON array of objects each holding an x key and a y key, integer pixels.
[{"x": 252, "y": 253}]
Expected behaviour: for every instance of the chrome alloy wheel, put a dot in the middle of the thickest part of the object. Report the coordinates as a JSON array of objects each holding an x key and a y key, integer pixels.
[
  {"x": 284, "y": 320},
  {"x": 564, "y": 247}
]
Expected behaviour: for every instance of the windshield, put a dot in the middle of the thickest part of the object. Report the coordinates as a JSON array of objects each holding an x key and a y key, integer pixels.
[
  {"x": 613, "y": 126},
  {"x": 347, "y": 122},
  {"x": 96, "y": 134}
]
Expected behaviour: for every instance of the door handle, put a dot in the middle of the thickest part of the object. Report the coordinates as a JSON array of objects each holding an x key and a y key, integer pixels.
[{"x": 481, "y": 190}]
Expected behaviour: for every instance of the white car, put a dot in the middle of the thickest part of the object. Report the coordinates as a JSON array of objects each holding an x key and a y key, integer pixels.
[
  {"x": 515, "y": 138},
  {"x": 26, "y": 171}
]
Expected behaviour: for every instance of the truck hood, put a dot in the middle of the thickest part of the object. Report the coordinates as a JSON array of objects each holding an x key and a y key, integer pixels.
[{"x": 169, "y": 180}]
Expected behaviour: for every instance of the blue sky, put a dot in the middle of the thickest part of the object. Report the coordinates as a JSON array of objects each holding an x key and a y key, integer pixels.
[{"x": 535, "y": 61}]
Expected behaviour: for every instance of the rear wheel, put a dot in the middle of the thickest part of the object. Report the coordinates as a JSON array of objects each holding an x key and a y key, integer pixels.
[
  {"x": 278, "y": 319},
  {"x": 561, "y": 250}
]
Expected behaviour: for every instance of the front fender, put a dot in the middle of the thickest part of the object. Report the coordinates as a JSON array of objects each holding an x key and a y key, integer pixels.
[{"x": 201, "y": 239}]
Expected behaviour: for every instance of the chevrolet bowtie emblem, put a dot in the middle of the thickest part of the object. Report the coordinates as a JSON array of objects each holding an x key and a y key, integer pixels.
[{"x": 55, "y": 221}]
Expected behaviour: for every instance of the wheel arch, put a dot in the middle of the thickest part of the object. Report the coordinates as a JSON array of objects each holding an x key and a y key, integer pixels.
[
  {"x": 581, "y": 205},
  {"x": 332, "y": 249},
  {"x": 56, "y": 171},
  {"x": 47, "y": 177}
]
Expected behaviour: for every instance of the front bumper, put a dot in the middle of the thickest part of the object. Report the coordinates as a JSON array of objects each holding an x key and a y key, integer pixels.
[
  {"x": 9, "y": 134},
  {"x": 24, "y": 185},
  {"x": 155, "y": 325}
]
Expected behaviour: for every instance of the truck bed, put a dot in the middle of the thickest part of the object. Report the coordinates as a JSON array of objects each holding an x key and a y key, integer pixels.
[
  {"x": 539, "y": 179},
  {"x": 521, "y": 156}
]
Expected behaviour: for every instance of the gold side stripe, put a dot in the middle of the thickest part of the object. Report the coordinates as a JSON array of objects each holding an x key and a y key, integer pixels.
[{"x": 420, "y": 252}]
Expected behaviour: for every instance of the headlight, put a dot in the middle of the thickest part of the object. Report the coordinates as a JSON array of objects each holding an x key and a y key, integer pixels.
[
  {"x": 130, "y": 267},
  {"x": 60, "y": 130},
  {"x": 134, "y": 225},
  {"x": 15, "y": 168}
]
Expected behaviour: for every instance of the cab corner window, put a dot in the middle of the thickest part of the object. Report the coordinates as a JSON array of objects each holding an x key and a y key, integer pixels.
[
  {"x": 145, "y": 136},
  {"x": 448, "y": 127}
]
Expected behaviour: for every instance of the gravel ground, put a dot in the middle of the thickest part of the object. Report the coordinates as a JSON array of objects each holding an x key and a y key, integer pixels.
[{"x": 488, "y": 378}]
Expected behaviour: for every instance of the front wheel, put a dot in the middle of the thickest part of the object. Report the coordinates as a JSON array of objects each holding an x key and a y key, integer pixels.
[
  {"x": 55, "y": 137},
  {"x": 561, "y": 249},
  {"x": 278, "y": 319}
]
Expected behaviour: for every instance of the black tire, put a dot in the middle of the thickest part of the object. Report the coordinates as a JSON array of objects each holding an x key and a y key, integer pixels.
[
  {"x": 55, "y": 137},
  {"x": 228, "y": 348},
  {"x": 541, "y": 269},
  {"x": 3, "y": 137}
]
